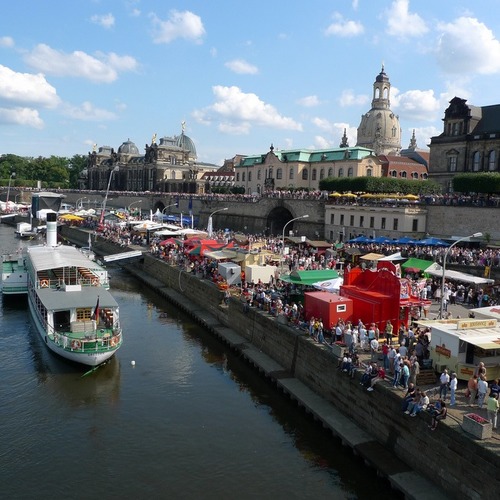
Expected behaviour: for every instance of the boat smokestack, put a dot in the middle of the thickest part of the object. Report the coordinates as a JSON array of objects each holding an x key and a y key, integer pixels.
[{"x": 51, "y": 229}]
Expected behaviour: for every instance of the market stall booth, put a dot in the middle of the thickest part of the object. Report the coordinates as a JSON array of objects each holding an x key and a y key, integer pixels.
[
  {"x": 330, "y": 307},
  {"x": 381, "y": 295},
  {"x": 461, "y": 344},
  {"x": 255, "y": 273}
]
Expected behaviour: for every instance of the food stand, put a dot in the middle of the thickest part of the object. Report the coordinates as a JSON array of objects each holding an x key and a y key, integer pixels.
[{"x": 461, "y": 344}]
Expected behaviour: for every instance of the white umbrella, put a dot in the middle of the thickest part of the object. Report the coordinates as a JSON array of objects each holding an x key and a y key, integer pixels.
[{"x": 329, "y": 285}]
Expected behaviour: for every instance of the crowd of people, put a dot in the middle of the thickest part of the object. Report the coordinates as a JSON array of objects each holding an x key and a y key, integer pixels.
[{"x": 395, "y": 357}]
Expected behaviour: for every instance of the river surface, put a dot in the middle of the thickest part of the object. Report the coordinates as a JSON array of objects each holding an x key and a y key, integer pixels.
[{"x": 191, "y": 420}]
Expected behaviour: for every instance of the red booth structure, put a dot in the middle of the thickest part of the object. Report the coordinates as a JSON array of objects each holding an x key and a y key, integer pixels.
[
  {"x": 327, "y": 306},
  {"x": 381, "y": 295}
]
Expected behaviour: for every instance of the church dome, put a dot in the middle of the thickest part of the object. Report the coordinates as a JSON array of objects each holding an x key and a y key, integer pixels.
[
  {"x": 128, "y": 148},
  {"x": 186, "y": 143}
]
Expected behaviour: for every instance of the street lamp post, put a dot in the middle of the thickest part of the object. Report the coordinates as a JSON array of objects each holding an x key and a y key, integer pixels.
[
  {"x": 163, "y": 211},
  {"x": 210, "y": 223},
  {"x": 283, "y": 238},
  {"x": 133, "y": 203},
  {"x": 101, "y": 220},
  {"x": 13, "y": 174},
  {"x": 79, "y": 203},
  {"x": 475, "y": 235}
]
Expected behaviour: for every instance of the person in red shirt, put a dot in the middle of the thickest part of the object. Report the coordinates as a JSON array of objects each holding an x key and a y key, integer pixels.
[
  {"x": 385, "y": 352},
  {"x": 380, "y": 376}
]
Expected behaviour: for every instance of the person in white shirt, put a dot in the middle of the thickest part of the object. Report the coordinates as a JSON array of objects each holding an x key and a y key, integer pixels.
[
  {"x": 482, "y": 389},
  {"x": 444, "y": 380},
  {"x": 453, "y": 388}
]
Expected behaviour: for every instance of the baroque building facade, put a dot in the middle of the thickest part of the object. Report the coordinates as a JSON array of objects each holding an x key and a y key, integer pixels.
[
  {"x": 303, "y": 168},
  {"x": 170, "y": 166},
  {"x": 469, "y": 142}
]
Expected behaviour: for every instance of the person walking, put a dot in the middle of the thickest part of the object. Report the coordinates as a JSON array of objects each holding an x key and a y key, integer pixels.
[
  {"x": 472, "y": 389},
  {"x": 444, "y": 380},
  {"x": 453, "y": 388},
  {"x": 492, "y": 407},
  {"x": 482, "y": 389},
  {"x": 388, "y": 332}
]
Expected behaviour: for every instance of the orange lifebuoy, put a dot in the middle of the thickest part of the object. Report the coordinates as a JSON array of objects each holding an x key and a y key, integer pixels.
[
  {"x": 44, "y": 283},
  {"x": 95, "y": 282},
  {"x": 76, "y": 344}
]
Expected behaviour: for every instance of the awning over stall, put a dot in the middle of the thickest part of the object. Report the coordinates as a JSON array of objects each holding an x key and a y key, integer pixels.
[
  {"x": 417, "y": 264},
  {"x": 310, "y": 277},
  {"x": 437, "y": 270}
]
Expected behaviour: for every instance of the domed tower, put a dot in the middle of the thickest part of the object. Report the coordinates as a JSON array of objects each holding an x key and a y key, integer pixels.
[
  {"x": 379, "y": 128},
  {"x": 127, "y": 150},
  {"x": 187, "y": 145}
]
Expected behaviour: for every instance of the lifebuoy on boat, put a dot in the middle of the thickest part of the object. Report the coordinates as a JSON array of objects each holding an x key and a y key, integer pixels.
[
  {"x": 113, "y": 341},
  {"x": 76, "y": 344},
  {"x": 95, "y": 282},
  {"x": 44, "y": 283}
]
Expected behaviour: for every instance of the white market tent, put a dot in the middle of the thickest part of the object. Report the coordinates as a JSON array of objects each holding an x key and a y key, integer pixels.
[
  {"x": 332, "y": 285},
  {"x": 437, "y": 270}
]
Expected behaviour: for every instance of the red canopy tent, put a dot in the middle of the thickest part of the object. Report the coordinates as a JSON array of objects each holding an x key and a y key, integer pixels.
[{"x": 380, "y": 296}]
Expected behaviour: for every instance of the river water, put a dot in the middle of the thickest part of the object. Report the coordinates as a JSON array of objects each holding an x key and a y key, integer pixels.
[{"x": 190, "y": 420}]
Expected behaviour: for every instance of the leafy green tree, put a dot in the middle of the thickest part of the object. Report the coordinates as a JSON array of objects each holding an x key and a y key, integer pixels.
[{"x": 76, "y": 165}]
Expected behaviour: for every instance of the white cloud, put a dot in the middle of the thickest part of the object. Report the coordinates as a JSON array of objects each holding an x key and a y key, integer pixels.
[
  {"x": 309, "y": 101},
  {"x": 213, "y": 52},
  {"x": 88, "y": 112},
  {"x": 238, "y": 112},
  {"x": 6, "y": 41},
  {"x": 321, "y": 142},
  {"x": 102, "y": 69},
  {"x": 402, "y": 23},
  {"x": 348, "y": 98},
  {"x": 132, "y": 7},
  {"x": 418, "y": 105},
  {"x": 343, "y": 27},
  {"x": 242, "y": 67},
  {"x": 26, "y": 88},
  {"x": 21, "y": 116},
  {"x": 105, "y": 20},
  {"x": 468, "y": 46},
  {"x": 179, "y": 25},
  {"x": 423, "y": 135},
  {"x": 336, "y": 131}
]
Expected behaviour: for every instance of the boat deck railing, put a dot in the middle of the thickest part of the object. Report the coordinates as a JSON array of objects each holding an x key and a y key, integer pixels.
[{"x": 98, "y": 340}]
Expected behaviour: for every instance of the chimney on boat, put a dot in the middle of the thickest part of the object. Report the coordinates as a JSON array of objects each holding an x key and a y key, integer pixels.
[{"x": 51, "y": 229}]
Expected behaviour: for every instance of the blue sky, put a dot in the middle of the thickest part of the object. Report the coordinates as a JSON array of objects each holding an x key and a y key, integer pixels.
[{"x": 240, "y": 74}]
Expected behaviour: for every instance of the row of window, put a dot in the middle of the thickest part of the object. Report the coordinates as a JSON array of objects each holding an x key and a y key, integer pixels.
[
  {"x": 477, "y": 161},
  {"x": 371, "y": 222},
  {"x": 305, "y": 174}
]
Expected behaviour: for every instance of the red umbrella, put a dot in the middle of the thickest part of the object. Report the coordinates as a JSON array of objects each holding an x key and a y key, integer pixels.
[
  {"x": 171, "y": 241},
  {"x": 412, "y": 270}
]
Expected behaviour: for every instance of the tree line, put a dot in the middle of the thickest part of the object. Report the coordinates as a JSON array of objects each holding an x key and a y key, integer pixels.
[{"x": 54, "y": 172}]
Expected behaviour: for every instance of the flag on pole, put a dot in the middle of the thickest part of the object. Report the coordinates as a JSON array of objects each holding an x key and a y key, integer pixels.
[{"x": 95, "y": 315}]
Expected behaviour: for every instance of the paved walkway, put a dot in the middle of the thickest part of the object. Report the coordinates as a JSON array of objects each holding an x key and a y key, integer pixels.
[{"x": 455, "y": 413}]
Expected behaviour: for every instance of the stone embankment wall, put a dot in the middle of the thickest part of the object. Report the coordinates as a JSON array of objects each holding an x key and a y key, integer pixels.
[{"x": 458, "y": 464}]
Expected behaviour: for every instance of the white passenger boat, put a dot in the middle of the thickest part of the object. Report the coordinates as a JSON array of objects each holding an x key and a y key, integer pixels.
[{"x": 68, "y": 296}]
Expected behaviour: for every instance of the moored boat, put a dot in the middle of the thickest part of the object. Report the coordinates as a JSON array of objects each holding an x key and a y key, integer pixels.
[{"x": 68, "y": 296}]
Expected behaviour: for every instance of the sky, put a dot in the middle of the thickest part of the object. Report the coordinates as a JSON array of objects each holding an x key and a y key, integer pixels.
[{"x": 241, "y": 75}]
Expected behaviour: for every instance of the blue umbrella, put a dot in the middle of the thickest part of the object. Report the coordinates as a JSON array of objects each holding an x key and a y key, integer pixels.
[
  {"x": 360, "y": 239},
  {"x": 405, "y": 240},
  {"x": 432, "y": 242},
  {"x": 382, "y": 240}
]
